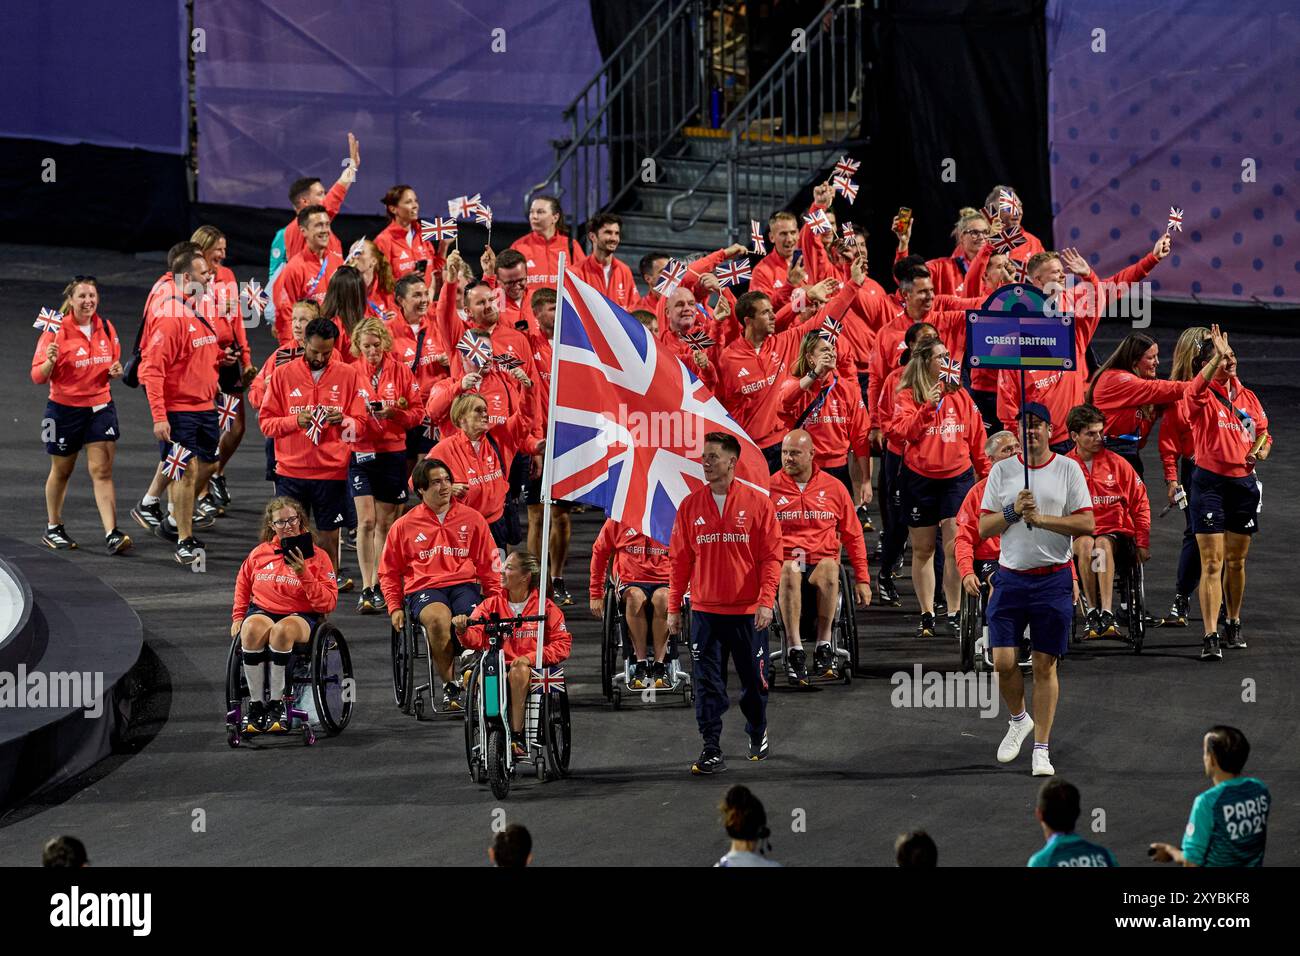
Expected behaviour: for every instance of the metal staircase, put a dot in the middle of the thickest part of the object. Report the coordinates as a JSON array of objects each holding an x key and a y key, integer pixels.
[{"x": 672, "y": 134}]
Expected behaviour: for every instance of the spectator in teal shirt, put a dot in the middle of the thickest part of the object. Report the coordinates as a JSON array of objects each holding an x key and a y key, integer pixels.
[
  {"x": 1229, "y": 822},
  {"x": 1057, "y": 812}
]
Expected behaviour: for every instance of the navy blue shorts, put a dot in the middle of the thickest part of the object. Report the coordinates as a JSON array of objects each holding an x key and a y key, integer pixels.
[
  {"x": 533, "y": 495},
  {"x": 382, "y": 477},
  {"x": 927, "y": 501},
  {"x": 196, "y": 431},
  {"x": 326, "y": 500},
  {"x": 1044, "y": 602},
  {"x": 1220, "y": 504},
  {"x": 647, "y": 590},
  {"x": 75, "y": 426},
  {"x": 310, "y": 617},
  {"x": 460, "y": 598}
]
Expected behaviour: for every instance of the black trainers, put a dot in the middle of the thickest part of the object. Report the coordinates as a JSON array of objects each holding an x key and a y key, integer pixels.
[
  {"x": 1092, "y": 624},
  {"x": 824, "y": 660},
  {"x": 640, "y": 679},
  {"x": 345, "y": 584},
  {"x": 218, "y": 491},
  {"x": 377, "y": 598},
  {"x": 758, "y": 746},
  {"x": 452, "y": 697},
  {"x": 366, "y": 602},
  {"x": 1232, "y": 634},
  {"x": 207, "y": 507},
  {"x": 888, "y": 593},
  {"x": 659, "y": 674},
  {"x": 350, "y": 540},
  {"x": 797, "y": 666},
  {"x": 940, "y": 606},
  {"x": 255, "y": 718},
  {"x": 1178, "y": 611},
  {"x": 1106, "y": 625},
  {"x": 187, "y": 551},
  {"x": 1210, "y": 649},
  {"x": 709, "y": 761},
  {"x": 116, "y": 542},
  {"x": 954, "y": 622},
  {"x": 562, "y": 596},
  {"x": 926, "y": 627},
  {"x": 57, "y": 538},
  {"x": 864, "y": 518},
  {"x": 277, "y": 722},
  {"x": 148, "y": 517}
]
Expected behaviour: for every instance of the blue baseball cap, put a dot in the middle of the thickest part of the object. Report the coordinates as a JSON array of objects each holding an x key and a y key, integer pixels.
[{"x": 1038, "y": 411}]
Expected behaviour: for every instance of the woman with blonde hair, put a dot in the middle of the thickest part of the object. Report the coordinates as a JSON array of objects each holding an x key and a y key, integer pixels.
[
  {"x": 377, "y": 471},
  {"x": 281, "y": 594},
  {"x": 943, "y": 438},
  {"x": 78, "y": 358},
  {"x": 1176, "y": 448}
]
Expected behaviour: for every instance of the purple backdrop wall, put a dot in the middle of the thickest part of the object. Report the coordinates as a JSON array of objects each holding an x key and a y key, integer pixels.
[
  {"x": 283, "y": 81},
  {"x": 1165, "y": 117},
  {"x": 76, "y": 75}
]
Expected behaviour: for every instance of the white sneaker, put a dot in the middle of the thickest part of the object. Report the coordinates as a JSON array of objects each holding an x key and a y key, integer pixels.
[
  {"x": 1017, "y": 731},
  {"x": 1042, "y": 763}
]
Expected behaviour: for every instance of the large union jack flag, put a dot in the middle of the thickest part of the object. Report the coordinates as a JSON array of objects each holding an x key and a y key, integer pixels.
[{"x": 630, "y": 418}]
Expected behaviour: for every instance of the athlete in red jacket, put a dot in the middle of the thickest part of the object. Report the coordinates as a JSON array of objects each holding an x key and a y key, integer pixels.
[
  {"x": 402, "y": 241},
  {"x": 726, "y": 549},
  {"x": 438, "y": 561},
  {"x": 307, "y": 275},
  {"x": 817, "y": 521},
  {"x": 280, "y": 596},
  {"x": 968, "y": 546},
  {"x": 640, "y": 569},
  {"x": 777, "y": 273},
  {"x": 602, "y": 269},
  {"x": 943, "y": 452},
  {"x": 1120, "y": 508},
  {"x": 309, "y": 192},
  {"x": 520, "y": 598},
  {"x": 682, "y": 320},
  {"x": 549, "y": 237},
  {"x": 79, "y": 359},
  {"x": 377, "y": 471},
  {"x": 949, "y": 272},
  {"x": 315, "y": 411}
]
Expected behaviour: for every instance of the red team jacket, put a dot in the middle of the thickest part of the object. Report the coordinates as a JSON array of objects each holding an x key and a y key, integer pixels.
[
  {"x": 637, "y": 558},
  {"x": 178, "y": 368},
  {"x": 403, "y": 248},
  {"x": 543, "y": 257},
  {"x": 265, "y": 579},
  {"x": 1119, "y": 499},
  {"x": 619, "y": 288},
  {"x": 1120, "y": 396},
  {"x": 391, "y": 383},
  {"x": 939, "y": 443},
  {"x": 292, "y": 389},
  {"x": 80, "y": 374},
  {"x": 1175, "y": 439},
  {"x": 967, "y": 543},
  {"x": 731, "y": 561},
  {"x": 301, "y": 278},
  {"x": 294, "y": 242},
  {"x": 815, "y": 522},
  {"x": 523, "y": 643},
  {"x": 1221, "y": 438},
  {"x": 481, "y": 469},
  {"x": 423, "y": 552},
  {"x": 840, "y": 423}
]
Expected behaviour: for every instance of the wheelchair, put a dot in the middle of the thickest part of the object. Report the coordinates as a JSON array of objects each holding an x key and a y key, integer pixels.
[
  {"x": 976, "y": 655},
  {"x": 320, "y": 681},
  {"x": 546, "y": 733},
  {"x": 616, "y": 655},
  {"x": 1130, "y": 594},
  {"x": 410, "y": 647},
  {"x": 844, "y": 630}
]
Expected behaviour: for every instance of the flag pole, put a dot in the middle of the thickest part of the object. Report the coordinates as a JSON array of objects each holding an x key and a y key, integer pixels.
[
  {"x": 1024, "y": 428},
  {"x": 547, "y": 457}
]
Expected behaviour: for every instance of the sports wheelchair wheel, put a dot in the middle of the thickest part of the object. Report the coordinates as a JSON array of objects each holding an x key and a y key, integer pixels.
[
  {"x": 236, "y": 691},
  {"x": 611, "y": 640},
  {"x": 1134, "y": 586},
  {"x": 331, "y": 678},
  {"x": 848, "y": 629},
  {"x": 971, "y": 627},
  {"x": 556, "y": 730},
  {"x": 403, "y": 654}
]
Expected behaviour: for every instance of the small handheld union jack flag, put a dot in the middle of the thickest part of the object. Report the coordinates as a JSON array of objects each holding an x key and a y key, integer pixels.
[
  {"x": 464, "y": 206},
  {"x": 734, "y": 272},
  {"x": 507, "y": 361},
  {"x": 1175, "y": 220},
  {"x": 831, "y": 328},
  {"x": 438, "y": 230},
  {"x": 544, "y": 680},
  {"x": 1017, "y": 270},
  {"x": 758, "y": 245},
  {"x": 846, "y": 167},
  {"x": 818, "y": 222},
  {"x": 255, "y": 296},
  {"x": 476, "y": 351},
  {"x": 48, "y": 321},
  {"x": 1009, "y": 203},
  {"x": 950, "y": 370},
  {"x": 672, "y": 276},
  {"x": 316, "y": 427},
  {"x": 483, "y": 214},
  {"x": 355, "y": 249},
  {"x": 226, "y": 407},
  {"x": 845, "y": 185},
  {"x": 847, "y": 232},
  {"x": 1009, "y": 239},
  {"x": 697, "y": 340},
  {"x": 177, "y": 459}
]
